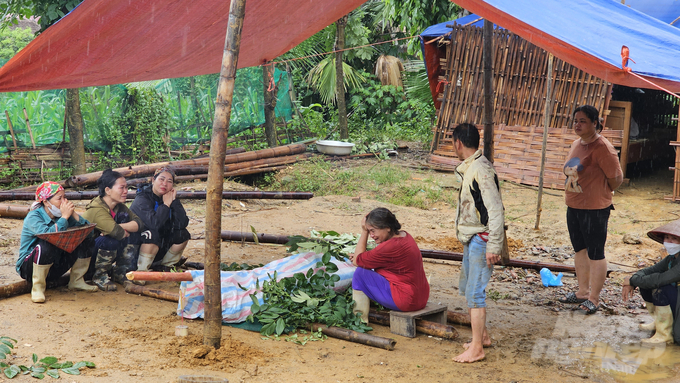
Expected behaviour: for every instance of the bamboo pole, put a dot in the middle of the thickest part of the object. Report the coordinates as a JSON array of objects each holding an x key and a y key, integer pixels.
[
  {"x": 546, "y": 128},
  {"x": 232, "y": 195},
  {"x": 356, "y": 337},
  {"x": 249, "y": 237},
  {"x": 28, "y": 126},
  {"x": 488, "y": 90},
  {"x": 212, "y": 331},
  {"x": 422, "y": 326},
  {"x": 131, "y": 288},
  {"x": 158, "y": 276},
  {"x": 11, "y": 130}
]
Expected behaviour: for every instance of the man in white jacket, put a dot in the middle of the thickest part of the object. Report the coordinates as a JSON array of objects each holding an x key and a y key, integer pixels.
[{"x": 480, "y": 228}]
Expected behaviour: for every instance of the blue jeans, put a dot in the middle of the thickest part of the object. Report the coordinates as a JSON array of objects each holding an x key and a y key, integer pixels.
[{"x": 474, "y": 275}]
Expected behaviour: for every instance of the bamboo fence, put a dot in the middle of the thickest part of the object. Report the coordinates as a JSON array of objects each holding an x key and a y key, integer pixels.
[{"x": 519, "y": 83}]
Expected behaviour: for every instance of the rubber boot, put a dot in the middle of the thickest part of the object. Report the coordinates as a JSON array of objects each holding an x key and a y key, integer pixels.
[
  {"x": 102, "y": 268},
  {"x": 361, "y": 305},
  {"x": 78, "y": 270},
  {"x": 664, "y": 326},
  {"x": 125, "y": 263},
  {"x": 649, "y": 326},
  {"x": 143, "y": 264},
  {"x": 39, "y": 282},
  {"x": 171, "y": 258}
]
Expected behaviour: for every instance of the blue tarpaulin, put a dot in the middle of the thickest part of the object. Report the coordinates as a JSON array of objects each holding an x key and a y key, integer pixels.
[{"x": 589, "y": 34}]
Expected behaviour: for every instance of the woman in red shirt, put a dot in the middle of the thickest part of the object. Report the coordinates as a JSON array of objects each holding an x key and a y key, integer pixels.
[{"x": 392, "y": 274}]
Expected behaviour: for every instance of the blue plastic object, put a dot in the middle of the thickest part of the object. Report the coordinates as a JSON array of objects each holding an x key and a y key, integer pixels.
[{"x": 549, "y": 279}]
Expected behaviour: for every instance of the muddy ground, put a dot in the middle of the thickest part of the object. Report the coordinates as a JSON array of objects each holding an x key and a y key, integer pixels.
[{"x": 535, "y": 339}]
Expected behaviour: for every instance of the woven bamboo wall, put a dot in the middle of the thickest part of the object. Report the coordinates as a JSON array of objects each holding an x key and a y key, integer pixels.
[
  {"x": 517, "y": 153},
  {"x": 519, "y": 84}
]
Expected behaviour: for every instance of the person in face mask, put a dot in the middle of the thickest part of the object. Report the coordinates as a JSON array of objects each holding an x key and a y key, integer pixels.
[
  {"x": 39, "y": 260},
  {"x": 659, "y": 287}
]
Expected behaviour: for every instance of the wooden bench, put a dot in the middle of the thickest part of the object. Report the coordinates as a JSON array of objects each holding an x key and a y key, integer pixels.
[{"x": 404, "y": 322}]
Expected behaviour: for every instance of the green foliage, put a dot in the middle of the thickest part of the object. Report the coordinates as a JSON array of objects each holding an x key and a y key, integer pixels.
[
  {"x": 12, "y": 41},
  {"x": 305, "y": 298},
  {"x": 49, "y": 366},
  {"x": 141, "y": 133},
  {"x": 414, "y": 16},
  {"x": 383, "y": 112},
  {"x": 322, "y": 78}
]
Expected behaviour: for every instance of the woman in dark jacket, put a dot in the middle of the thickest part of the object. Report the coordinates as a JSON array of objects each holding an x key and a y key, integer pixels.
[
  {"x": 659, "y": 286},
  {"x": 165, "y": 222}
]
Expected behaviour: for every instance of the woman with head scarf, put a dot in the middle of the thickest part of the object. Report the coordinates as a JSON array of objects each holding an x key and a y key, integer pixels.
[
  {"x": 114, "y": 222},
  {"x": 40, "y": 260},
  {"x": 165, "y": 222}
]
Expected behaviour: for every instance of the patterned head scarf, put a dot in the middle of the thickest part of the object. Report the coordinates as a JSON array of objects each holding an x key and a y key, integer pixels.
[
  {"x": 44, "y": 192},
  {"x": 164, "y": 169}
]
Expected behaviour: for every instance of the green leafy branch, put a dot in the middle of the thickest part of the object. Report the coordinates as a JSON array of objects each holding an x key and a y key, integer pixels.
[{"x": 49, "y": 366}]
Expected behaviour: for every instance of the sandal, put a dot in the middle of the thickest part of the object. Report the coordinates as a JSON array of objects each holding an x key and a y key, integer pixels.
[
  {"x": 588, "y": 306},
  {"x": 572, "y": 298}
]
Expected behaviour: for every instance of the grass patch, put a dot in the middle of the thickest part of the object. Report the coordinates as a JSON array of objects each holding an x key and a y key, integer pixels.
[{"x": 382, "y": 181}]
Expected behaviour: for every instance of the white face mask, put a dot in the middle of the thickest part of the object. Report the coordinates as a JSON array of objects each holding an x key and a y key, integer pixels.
[
  {"x": 672, "y": 248},
  {"x": 54, "y": 210}
]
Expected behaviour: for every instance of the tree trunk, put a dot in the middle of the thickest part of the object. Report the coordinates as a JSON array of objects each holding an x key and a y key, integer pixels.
[
  {"x": 488, "y": 89},
  {"x": 212, "y": 331},
  {"x": 74, "y": 121},
  {"x": 269, "y": 104},
  {"x": 340, "y": 77}
]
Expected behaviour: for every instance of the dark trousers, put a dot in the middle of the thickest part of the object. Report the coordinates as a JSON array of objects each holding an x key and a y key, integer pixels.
[
  {"x": 46, "y": 253},
  {"x": 663, "y": 296}
]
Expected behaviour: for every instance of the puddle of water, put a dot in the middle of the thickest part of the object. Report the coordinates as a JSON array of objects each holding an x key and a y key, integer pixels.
[{"x": 631, "y": 362}]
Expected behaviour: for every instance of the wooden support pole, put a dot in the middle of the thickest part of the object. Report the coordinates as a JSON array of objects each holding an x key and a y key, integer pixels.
[
  {"x": 356, "y": 337},
  {"x": 11, "y": 130},
  {"x": 488, "y": 89},
  {"x": 232, "y": 195},
  {"x": 28, "y": 126},
  {"x": 212, "y": 330},
  {"x": 546, "y": 125}
]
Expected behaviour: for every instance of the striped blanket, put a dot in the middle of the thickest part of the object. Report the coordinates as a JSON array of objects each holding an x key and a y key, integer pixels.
[{"x": 236, "y": 302}]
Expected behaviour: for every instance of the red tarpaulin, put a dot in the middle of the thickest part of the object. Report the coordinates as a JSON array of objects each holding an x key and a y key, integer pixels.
[{"x": 122, "y": 41}]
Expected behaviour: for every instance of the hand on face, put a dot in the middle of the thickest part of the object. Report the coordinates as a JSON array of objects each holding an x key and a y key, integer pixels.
[
  {"x": 66, "y": 208},
  {"x": 363, "y": 224},
  {"x": 169, "y": 196}
]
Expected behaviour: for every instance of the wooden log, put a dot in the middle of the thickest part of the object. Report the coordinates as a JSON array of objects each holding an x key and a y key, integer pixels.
[
  {"x": 238, "y": 236},
  {"x": 234, "y": 195},
  {"x": 28, "y": 126},
  {"x": 131, "y": 288},
  {"x": 356, "y": 337},
  {"x": 158, "y": 276},
  {"x": 149, "y": 169},
  {"x": 458, "y": 318},
  {"x": 11, "y": 130},
  {"x": 14, "y": 211},
  {"x": 23, "y": 287},
  {"x": 422, "y": 326},
  {"x": 212, "y": 330},
  {"x": 187, "y": 178}
]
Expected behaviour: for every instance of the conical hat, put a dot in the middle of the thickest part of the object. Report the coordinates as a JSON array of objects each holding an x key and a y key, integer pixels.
[
  {"x": 69, "y": 239},
  {"x": 672, "y": 228}
]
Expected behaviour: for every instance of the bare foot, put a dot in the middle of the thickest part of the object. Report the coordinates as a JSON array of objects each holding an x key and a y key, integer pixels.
[
  {"x": 486, "y": 343},
  {"x": 469, "y": 356}
]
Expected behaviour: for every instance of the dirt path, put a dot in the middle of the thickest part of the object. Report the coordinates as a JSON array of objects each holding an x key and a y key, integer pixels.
[{"x": 131, "y": 338}]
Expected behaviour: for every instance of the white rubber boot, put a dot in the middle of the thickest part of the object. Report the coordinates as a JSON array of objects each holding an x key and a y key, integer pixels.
[
  {"x": 78, "y": 270},
  {"x": 143, "y": 264},
  {"x": 361, "y": 305},
  {"x": 664, "y": 326},
  {"x": 649, "y": 326},
  {"x": 171, "y": 259},
  {"x": 39, "y": 282}
]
